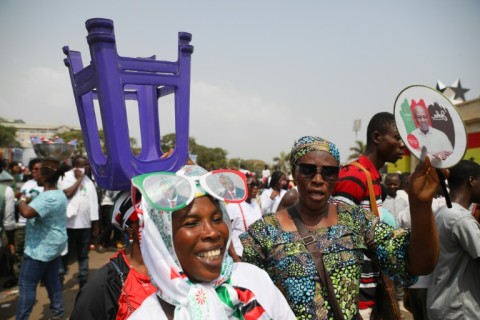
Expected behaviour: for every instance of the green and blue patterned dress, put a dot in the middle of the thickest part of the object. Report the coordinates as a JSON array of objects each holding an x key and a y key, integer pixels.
[{"x": 284, "y": 257}]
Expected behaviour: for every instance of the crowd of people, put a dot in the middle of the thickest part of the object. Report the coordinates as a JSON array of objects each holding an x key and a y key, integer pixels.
[{"x": 321, "y": 241}]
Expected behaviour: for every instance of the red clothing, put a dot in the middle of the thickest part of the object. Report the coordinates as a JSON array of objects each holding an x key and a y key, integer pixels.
[
  {"x": 105, "y": 297},
  {"x": 352, "y": 188},
  {"x": 137, "y": 288}
]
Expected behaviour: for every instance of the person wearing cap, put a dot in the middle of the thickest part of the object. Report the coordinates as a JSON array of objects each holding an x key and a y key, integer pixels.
[
  {"x": 185, "y": 249},
  {"x": 119, "y": 287},
  {"x": 340, "y": 233}
]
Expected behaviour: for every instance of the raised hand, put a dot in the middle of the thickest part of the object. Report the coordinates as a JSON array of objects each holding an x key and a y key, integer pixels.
[{"x": 424, "y": 182}]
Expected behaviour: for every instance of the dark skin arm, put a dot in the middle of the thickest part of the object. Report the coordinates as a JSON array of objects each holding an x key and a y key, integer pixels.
[
  {"x": 70, "y": 191},
  {"x": 233, "y": 253},
  {"x": 288, "y": 200},
  {"x": 424, "y": 247},
  {"x": 95, "y": 228},
  {"x": 26, "y": 211}
]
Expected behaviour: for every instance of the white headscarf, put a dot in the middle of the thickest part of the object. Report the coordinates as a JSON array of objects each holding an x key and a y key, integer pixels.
[{"x": 215, "y": 300}]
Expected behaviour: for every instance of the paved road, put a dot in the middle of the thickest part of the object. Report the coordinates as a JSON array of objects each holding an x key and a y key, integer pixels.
[{"x": 41, "y": 310}]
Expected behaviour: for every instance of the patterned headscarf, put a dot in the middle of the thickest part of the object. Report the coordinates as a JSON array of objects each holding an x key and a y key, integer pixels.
[
  {"x": 123, "y": 213},
  {"x": 215, "y": 300},
  {"x": 307, "y": 144}
]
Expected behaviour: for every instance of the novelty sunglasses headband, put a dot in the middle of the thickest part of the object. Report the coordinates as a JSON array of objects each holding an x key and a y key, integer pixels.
[{"x": 169, "y": 191}]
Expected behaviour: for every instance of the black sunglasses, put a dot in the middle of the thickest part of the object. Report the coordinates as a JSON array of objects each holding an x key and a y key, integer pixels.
[{"x": 328, "y": 173}]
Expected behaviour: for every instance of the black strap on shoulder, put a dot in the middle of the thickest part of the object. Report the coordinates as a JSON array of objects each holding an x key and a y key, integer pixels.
[
  {"x": 122, "y": 279},
  {"x": 115, "y": 265},
  {"x": 309, "y": 242}
]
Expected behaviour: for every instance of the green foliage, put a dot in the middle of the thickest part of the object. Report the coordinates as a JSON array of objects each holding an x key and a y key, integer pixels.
[
  {"x": 254, "y": 165},
  {"x": 168, "y": 142},
  {"x": 77, "y": 134},
  {"x": 357, "y": 150},
  {"x": 209, "y": 158},
  {"x": 7, "y": 137},
  {"x": 282, "y": 162},
  {"x": 74, "y": 134}
]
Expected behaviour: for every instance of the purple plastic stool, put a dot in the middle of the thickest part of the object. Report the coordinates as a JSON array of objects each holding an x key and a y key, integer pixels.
[{"x": 112, "y": 80}]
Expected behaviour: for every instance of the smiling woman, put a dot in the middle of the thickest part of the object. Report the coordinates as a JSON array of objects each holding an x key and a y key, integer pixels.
[
  {"x": 200, "y": 237},
  {"x": 185, "y": 250}
]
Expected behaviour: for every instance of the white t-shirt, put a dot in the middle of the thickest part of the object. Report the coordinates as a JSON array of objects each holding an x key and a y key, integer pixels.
[
  {"x": 82, "y": 208},
  {"x": 269, "y": 205},
  {"x": 242, "y": 215},
  {"x": 9, "y": 211},
  {"x": 455, "y": 289},
  {"x": 395, "y": 205},
  {"x": 402, "y": 194},
  {"x": 265, "y": 173},
  {"x": 29, "y": 189},
  {"x": 244, "y": 275}
]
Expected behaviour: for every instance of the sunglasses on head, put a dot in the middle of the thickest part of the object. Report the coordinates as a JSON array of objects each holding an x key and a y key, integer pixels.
[
  {"x": 168, "y": 191},
  {"x": 328, "y": 173}
]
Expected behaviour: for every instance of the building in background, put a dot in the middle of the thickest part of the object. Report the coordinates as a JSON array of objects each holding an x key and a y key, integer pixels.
[{"x": 24, "y": 132}]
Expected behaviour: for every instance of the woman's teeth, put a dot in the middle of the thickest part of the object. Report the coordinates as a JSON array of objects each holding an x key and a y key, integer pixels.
[{"x": 210, "y": 254}]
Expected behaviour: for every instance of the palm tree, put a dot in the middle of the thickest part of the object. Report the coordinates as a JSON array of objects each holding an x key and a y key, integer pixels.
[
  {"x": 357, "y": 150},
  {"x": 282, "y": 162}
]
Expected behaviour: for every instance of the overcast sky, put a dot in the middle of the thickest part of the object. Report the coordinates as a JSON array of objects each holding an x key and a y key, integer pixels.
[{"x": 263, "y": 72}]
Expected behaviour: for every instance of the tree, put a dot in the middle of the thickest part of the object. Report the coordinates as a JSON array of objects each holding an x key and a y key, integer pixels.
[
  {"x": 72, "y": 135},
  {"x": 211, "y": 158},
  {"x": 357, "y": 150},
  {"x": 168, "y": 143},
  {"x": 208, "y": 158},
  {"x": 282, "y": 162},
  {"x": 8, "y": 137},
  {"x": 77, "y": 134},
  {"x": 254, "y": 165}
]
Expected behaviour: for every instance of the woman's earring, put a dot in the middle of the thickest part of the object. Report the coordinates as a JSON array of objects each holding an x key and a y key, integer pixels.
[{"x": 130, "y": 236}]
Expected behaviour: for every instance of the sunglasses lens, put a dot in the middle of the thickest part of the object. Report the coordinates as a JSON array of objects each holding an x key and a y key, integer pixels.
[
  {"x": 308, "y": 171},
  {"x": 225, "y": 185},
  {"x": 167, "y": 192},
  {"x": 330, "y": 173}
]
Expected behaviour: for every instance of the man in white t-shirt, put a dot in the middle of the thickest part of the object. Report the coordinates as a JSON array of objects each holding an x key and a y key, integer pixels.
[
  {"x": 393, "y": 202},
  {"x": 82, "y": 211},
  {"x": 455, "y": 289}
]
